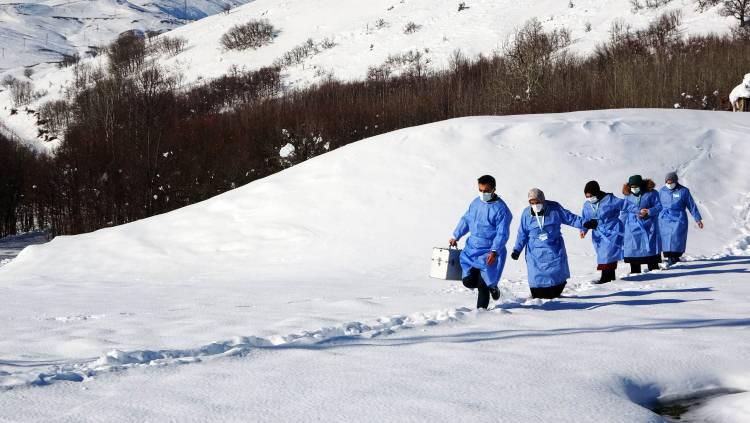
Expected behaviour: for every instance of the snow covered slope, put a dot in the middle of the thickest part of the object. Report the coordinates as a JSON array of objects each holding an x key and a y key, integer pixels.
[
  {"x": 33, "y": 32},
  {"x": 365, "y": 34},
  {"x": 342, "y": 243}
]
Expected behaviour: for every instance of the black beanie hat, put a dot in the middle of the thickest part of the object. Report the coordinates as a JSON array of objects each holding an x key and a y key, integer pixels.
[
  {"x": 592, "y": 187},
  {"x": 635, "y": 180}
]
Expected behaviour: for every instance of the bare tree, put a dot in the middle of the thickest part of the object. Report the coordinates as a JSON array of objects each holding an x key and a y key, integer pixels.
[
  {"x": 531, "y": 51},
  {"x": 738, "y": 9}
]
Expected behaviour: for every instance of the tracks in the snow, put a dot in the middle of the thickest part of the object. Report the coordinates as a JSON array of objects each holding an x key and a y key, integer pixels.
[{"x": 45, "y": 373}]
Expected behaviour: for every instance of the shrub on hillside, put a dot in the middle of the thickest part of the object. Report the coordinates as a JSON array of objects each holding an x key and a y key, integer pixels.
[
  {"x": 251, "y": 35},
  {"x": 298, "y": 54},
  {"x": 411, "y": 28},
  {"x": 7, "y": 81},
  {"x": 127, "y": 54},
  {"x": 21, "y": 92},
  {"x": 69, "y": 60},
  {"x": 648, "y": 4},
  {"x": 411, "y": 64},
  {"x": 170, "y": 46}
]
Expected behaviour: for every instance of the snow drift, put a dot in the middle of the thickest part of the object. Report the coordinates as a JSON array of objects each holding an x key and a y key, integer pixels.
[
  {"x": 396, "y": 195},
  {"x": 347, "y": 236}
]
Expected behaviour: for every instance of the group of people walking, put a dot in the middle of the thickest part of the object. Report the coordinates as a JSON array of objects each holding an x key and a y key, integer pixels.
[{"x": 640, "y": 228}]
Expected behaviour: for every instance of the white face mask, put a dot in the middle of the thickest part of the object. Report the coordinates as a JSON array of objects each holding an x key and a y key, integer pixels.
[
  {"x": 672, "y": 186},
  {"x": 537, "y": 207},
  {"x": 592, "y": 200},
  {"x": 636, "y": 190},
  {"x": 485, "y": 196}
]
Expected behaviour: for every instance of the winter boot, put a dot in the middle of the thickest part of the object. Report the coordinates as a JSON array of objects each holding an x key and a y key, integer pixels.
[
  {"x": 610, "y": 275},
  {"x": 604, "y": 278},
  {"x": 494, "y": 292},
  {"x": 635, "y": 268}
]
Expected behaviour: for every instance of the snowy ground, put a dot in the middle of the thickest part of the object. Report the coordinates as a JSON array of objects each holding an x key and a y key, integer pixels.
[
  {"x": 365, "y": 33},
  {"x": 304, "y": 296}
]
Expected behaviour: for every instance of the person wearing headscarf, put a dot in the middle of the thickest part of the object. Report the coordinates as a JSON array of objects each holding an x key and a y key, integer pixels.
[
  {"x": 676, "y": 200},
  {"x": 601, "y": 213},
  {"x": 540, "y": 235}
]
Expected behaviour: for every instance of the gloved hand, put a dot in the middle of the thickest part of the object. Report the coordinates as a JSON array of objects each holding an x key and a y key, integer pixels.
[
  {"x": 515, "y": 255},
  {"x": 591, "y": 224}
]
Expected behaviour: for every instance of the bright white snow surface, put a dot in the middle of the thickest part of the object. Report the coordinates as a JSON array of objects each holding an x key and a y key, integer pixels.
[{"x": 305, "y": 297}]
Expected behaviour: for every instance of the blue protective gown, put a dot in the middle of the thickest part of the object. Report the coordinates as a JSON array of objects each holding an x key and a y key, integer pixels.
[
  {"x": 546, "y": 257},
  {"x": 489, "y": 225},
  {"x": 608, "y": 236},
  {"x": 642, "y": 235},
  {"x": 673, "y": 220}
]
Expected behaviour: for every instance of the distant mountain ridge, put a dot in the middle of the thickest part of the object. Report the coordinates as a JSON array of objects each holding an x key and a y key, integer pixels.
[{"x": 33, "y": 32}]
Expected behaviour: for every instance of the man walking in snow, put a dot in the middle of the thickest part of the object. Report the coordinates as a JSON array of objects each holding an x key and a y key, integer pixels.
[{"x": 483, "y": 258}]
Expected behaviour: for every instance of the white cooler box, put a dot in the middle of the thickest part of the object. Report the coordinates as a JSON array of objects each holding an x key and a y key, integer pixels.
[{"x": 446, "y": 264}]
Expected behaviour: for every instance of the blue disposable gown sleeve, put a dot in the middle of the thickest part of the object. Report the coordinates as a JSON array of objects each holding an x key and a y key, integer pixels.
[
  {"x": 656, "y": 207},
  {"x": 523, "y": 236},
  {"x": 692, "y": 207},
  {"x": 462, "y": 228},
  {"x": 503, "y": 230},
  {"x": 585, "y": 217},
  {"x": 571, "y": 219},
  {"x": 625, "y": 205}
]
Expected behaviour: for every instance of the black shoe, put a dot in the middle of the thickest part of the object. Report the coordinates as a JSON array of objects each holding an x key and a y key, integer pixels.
[
  {"x": 494, "y": 292},
  {"x": 607, "y": 276}
]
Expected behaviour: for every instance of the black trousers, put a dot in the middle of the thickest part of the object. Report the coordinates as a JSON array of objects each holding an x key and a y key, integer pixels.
[
  {"x": 475, "y": 281},
  {"x": 549, "y": 292},
  {"x": 636, "y": 262}
]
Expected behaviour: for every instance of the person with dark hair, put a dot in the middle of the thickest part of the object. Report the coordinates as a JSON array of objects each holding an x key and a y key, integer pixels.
[
  {"x": 673, "y": 220},
  {"x": 546, "y": 257},
  {"x": 601, "y": 213},
  {"x": 483, "y": 258},
  {"x": 642, "y": 244}
]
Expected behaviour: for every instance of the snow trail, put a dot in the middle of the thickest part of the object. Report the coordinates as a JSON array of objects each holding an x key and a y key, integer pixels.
[
  {"x": 47, "y": 372},
  {"x": 117, "y": 360}
]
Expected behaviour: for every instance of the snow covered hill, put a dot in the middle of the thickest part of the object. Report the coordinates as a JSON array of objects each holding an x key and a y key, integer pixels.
[
  {"x": 40, "y": 31},
  {"x": 316, "y": 278},
  {"x": 359, "y": 34}
]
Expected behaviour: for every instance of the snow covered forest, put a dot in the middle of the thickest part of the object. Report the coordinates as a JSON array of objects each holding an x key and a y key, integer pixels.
[{"x": 138, "y": 143}]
